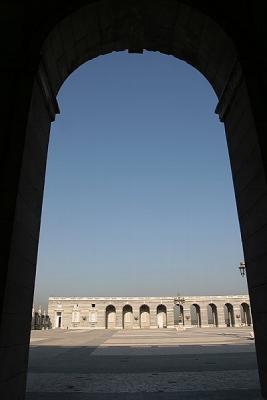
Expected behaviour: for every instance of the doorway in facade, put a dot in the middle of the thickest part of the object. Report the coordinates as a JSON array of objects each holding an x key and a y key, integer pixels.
[
  {"x": 161, "y": 316},
  {"x": 212, "y": 315},
  {"x": 127, "y": 317},
  {"x": 144, "y": 316},
  {"x": 245, "y": 314},
  {"x": 229, "y": 315},
  {"x": 58, "y": 319},
  {"x": 195, "y": 315},
  {"x": 110, "y": 317}
]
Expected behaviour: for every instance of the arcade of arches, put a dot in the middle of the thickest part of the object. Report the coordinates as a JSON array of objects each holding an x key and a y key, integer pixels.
[
  {"x": 148, "y": 312},
  {"x": 226, "y": 42}
]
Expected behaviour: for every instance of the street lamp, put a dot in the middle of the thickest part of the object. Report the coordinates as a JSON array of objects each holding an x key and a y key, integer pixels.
[{"x": 242, "y": 268}]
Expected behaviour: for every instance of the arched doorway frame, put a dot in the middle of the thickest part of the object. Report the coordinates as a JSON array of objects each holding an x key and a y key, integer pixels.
[
  {"x": 162, "y": 321},
  {"x": 214, "y": 314},
  {"x": 245, "y": 315},
  {"x": 195, "y": 310},
  {"x": 61, "y": 43},
  {"x": 144, "y": 308},
  {"x": 229, "y": 315},
  {"x": 110, "y": 309},
  {"x": 179, "y": 311},
  {"x": 127, "y": 317}
]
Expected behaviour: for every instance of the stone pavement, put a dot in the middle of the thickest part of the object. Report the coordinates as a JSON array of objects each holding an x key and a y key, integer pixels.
[{"x": 163, "y": 364}]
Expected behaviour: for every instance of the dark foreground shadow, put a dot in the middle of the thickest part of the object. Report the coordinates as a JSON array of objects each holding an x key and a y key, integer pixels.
[
  {"x": 116, "y": 359},
  {"x": 194, "y": 395},
  {"x": 183, "y": 372}
]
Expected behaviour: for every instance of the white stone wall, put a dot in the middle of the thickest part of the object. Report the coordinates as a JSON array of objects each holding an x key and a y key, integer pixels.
[
  {"x": 219, "y": 301},
  {"x": 92, "y": 312}
]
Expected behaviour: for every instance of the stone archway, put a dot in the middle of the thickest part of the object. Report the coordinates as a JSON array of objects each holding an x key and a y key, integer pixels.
[
  {"x": 161, "y": 316},
  {"x": 229, "y": 315},
  {"x": 144, "y": 316},
  {"x": 245, "y": 314},
  {"x": 212, "y": 314},
  {"x": 178, "y": 311},
  {"x": 195, "y": 315},
  {"x": 127, "y": 317},
  {"x": 110, "y": 317},
  {"x": 58, "y": 40}
]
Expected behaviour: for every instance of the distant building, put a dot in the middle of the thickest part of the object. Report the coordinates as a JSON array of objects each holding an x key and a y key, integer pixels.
[{"x": 148, "y": 312}]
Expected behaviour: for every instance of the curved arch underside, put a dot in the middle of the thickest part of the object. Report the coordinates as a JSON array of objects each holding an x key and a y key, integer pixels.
[{"x": 169, "y": 27}]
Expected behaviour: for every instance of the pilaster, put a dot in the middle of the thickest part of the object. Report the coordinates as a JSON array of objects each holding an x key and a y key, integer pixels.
[
  {"x": 170, "y": 318},
  {"x": 187, "y": 316},
  {"x": 221, "y": 316},
  {"x": 119, "y": 317},
  {"x": 153, "y": 317},
  {"x": 204, "y": 316}
]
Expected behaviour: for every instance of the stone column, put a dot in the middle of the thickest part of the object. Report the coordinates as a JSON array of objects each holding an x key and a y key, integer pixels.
[
  {"x": 221, "y": 316},
  {"x": 136, "y": 317},
  {"x": 119, "y": 318},
  {"x": 101, "y": 317},
  {"x": 153, "y": 317},
  {"x": 170, "y": 317},
  {"x": 24, "y": 145},
  {"x": 204, "y": 315},
  {"x": 242, "y": 108},
  {"x": 237, "y": 312}
]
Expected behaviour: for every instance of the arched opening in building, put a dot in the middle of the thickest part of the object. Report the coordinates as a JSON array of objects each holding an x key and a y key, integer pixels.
[
  {"x": 127, "y": 317},
  {"x": 178, "y": 311},
  {"x": 144, "y": 316},
  {"x": 161, "y": 316},
  {"x": 195, "y": 315},
  {"x": 212, "y": 314},
  {"x": 202, "y": 43},
  {"x": 110, "y": 317},
  {"x": 229, "y": 315},
  {"x": 245, "y": 314}
]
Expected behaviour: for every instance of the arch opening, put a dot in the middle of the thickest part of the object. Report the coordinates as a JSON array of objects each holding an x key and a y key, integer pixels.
[
  {"x": 229, "y": 315},
  {"x": 127, "y": 316},
  {"x": 208, "y": 49},
  {"x": 212, "y": 315},
  {"x": 245, "y": 314},
  {"x": 110, "y": 317},
  {"x": 178, "y": 311},
  {"x": 144, "y": 316},
  {"x": 195, "y": 315},
  {"x": 161, "y": 316}
]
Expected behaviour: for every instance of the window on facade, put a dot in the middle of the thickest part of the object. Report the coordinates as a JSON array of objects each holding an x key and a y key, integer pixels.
[
  {"x": 93, "y": 316},
  {"x": 76, "y": 316},
  {"x": 93, "y": 305}
]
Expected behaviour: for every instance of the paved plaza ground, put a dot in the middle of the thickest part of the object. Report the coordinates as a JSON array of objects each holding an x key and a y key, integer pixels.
[{"x": 163, "y": 364}]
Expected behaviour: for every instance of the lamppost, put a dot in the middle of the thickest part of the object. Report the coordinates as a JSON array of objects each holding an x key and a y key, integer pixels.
[
  {"x": 179, "y": 301},
  {"x": 242, "y": 268}
]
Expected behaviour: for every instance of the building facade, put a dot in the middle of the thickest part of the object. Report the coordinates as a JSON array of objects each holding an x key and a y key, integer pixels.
[{"x": 148, "y": 312}]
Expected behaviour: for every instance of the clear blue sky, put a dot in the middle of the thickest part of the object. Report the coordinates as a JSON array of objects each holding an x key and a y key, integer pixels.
[{"x": 138, "y": 197}]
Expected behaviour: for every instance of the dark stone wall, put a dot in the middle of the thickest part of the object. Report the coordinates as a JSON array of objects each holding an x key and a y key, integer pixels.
[{"x": 41, "y": 44}]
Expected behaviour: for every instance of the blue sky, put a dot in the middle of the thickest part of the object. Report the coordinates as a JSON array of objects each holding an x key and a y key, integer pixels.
[{"x": 138, "y": 197}]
